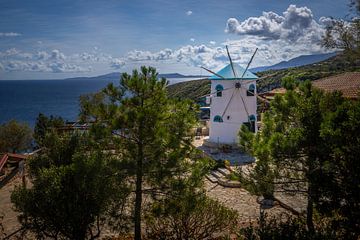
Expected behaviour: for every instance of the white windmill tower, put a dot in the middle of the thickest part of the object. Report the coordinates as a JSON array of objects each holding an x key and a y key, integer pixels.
[{"x": 232, "y": 102}]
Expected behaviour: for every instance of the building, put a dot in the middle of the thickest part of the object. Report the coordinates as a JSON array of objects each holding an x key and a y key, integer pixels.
[
  {"x": 347, "y": 83},
  {"x": 232, "y": 103}
]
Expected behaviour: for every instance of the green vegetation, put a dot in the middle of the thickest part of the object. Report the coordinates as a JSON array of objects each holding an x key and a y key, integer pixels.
[
  {"x": 307, "y": 146},
  {"x": 234, "y": 176},
  {"x": 345, "y": 35},
  {"x": 285, "y": 228},
  {"x": 193, "y": 90},
  {"x": 15, "y": 137},
  {"x": 139, "y": 148},
  {"x": 333, "y": 66},
  {"x": 43, "y": 125},
  {"x": 190, "y": 215},
  {"x": 74, "y": 185},
  {"x": 152, "y": 135}
]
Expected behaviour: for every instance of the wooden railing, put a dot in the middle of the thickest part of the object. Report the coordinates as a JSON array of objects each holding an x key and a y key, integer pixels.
[{"x": 3, "y": 161}]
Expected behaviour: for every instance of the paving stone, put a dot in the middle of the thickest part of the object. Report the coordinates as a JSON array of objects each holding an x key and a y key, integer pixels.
[{"x": 224, "y": 171}]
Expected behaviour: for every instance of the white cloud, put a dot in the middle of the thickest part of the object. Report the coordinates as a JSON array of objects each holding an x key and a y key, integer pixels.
[
  {"x": 117, "y": 63},
  {"x": 40, "y": 66},
  {"x": 189, "y": 13},
  {"x": 277, "y": 36},
  {"x": 326, "y": 21},
  {"x": 293, "y": 25},
  {"x": 10, "y": 34},
  {"x": 54, "y": 61},
  {"x": 57, "y": 55},
  {"x": 192, "y": 39},
  {"x": 42, "y": 55},
  {"x": 61, "y": 67}
]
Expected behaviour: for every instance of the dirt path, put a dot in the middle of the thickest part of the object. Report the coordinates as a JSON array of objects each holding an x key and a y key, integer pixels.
[{"x": 10, "y": 221}]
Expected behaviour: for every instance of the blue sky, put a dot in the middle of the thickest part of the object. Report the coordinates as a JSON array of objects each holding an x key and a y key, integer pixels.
[{"x": 59, "y": 39}]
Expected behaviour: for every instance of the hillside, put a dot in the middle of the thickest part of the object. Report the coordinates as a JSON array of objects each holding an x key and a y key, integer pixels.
[
  {"x": 193, "y": 89},
  {"x": 296, "y": 62},
  {"x": 332, "y": 66},
  {"x": 116, "y": 76},
  {"x": 272, "y": 78}
]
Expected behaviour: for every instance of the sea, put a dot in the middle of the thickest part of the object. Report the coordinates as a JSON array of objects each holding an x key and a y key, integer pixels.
[{"x": 23, "y": 100}]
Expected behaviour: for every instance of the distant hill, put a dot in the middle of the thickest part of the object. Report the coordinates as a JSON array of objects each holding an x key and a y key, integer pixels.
[
  {"x": 116, "y": 76},
  {"x": 271, "y": 79},
  {"x": 295, "y": 62},
  {"x": 109, "y": 76}
]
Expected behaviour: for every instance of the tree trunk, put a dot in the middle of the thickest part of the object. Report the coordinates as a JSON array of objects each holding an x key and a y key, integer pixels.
[
  {"x": 309, "y": 210},
  {"x": 138, "y": 193}
]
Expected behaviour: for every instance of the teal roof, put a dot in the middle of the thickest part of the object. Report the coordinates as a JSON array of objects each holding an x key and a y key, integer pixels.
[{"x": 228, "y": 74}]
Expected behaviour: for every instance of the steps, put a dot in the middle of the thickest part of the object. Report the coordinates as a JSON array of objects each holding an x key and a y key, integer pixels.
[
  {"x": 224, "y": 171},
  {"x": 219, "y": 176}
]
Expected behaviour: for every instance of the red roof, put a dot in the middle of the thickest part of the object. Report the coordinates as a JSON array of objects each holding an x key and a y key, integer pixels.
[{"x": 348, "y": 83}]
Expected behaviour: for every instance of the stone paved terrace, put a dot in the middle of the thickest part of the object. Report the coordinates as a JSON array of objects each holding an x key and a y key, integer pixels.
[
  {"x": 241, "y": 201},
  {"x": 235, "y": 156},
  {"x": 238, "y": 198}
]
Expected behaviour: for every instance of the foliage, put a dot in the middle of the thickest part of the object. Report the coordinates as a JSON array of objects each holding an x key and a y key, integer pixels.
[
  {"x": 234, "y": 176},
  {"x": 341, "y": 189},
  {"x": 289, "y": 149},
  {"x": 149, "y": 131},
  {"x": 189, "y": 215},
  {"x": 193, "y": 90},
  {"x": 279, "y": 228},
  {"x": 45, "y": 124},
  {"x": 307, "y": 145},
  {"x": 15, "y": 137},
  {"x": 345, "y": 35},
  {"x": 74, "y": 186}
]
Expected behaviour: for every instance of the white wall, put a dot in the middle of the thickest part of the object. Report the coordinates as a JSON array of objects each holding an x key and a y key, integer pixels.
[{"x": 227, "y": 131}]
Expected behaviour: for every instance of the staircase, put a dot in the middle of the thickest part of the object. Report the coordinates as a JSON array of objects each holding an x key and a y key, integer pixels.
[{"x": 219, "y": 176}]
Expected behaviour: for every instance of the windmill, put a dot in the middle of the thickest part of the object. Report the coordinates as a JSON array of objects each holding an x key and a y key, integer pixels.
[{"x": 233, "y": 101}]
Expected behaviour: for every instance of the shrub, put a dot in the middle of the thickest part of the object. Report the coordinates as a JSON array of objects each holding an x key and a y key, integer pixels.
[{"x": 189, "y": 216}]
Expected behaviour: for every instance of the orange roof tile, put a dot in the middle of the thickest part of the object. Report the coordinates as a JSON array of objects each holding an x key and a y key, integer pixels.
[{"x": 348, "y": 83}]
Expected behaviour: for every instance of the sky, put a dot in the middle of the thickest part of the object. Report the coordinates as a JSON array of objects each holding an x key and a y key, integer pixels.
[{"x": 69, "y": 38}]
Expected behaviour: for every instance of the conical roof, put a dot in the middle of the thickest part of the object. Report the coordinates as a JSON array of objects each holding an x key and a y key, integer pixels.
[{"x": 228, "y": 74}]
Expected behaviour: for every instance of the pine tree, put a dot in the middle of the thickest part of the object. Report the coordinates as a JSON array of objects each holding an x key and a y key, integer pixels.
[
  {"x": 150, "y": 132},
  {"x": 15, "y": 137},
  {"x": 289, "y": 149}
]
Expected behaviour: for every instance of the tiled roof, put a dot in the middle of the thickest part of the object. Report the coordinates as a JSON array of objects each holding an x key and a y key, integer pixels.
[
  {"x": 348, "y": 83},
  {"x": 228, "y": 74}
]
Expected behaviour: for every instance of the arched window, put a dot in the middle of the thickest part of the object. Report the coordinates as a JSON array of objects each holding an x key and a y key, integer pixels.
[
  {"x": 252, "y": 120},
  {"x": 219, "y": 88},
  {"x": 251, "y": 123},
  {"x": 218, "y": 118},
  {"x": 251, "y": 90}
]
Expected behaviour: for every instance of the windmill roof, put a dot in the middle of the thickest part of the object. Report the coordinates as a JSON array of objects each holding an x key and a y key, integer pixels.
[{"x": 228, "y": 74}]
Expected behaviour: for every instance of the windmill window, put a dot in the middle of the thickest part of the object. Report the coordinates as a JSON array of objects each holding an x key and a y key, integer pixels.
[
  {"x": 219, "y": 88},
  {"x": 251, "y": 123},
  {"x": 251, "y": 90},
  {"x": 218, "y": 118}
]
